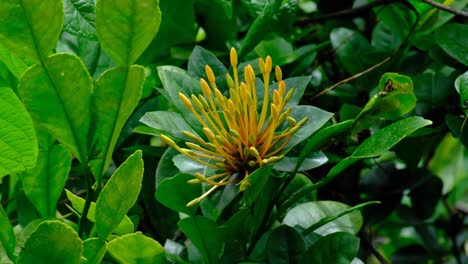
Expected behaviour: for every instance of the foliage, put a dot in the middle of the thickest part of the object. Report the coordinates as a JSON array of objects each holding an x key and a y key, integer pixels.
[{"x": 97, "y": 99}]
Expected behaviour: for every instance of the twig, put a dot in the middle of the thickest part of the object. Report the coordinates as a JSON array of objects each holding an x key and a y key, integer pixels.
[
  {"x": 390, "y": 57},
  {"x": 348, "y": 12},
  {"x": 446, "y": 8},
  {"x": 89, "y": 198}
]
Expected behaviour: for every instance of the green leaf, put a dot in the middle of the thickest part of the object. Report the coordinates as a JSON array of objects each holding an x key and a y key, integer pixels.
[
  {"x": 260, "y": 27},
  {"x": 126, "y": 28},
  {"x": 94, "y": 250},
  {"x": 316, "y": 119},
  {"x": 199, "y": 58},
  {"x": 169, "y": 122},
  {"x": 52, "y": 242},
  {"x": 31, "y": 29},
  {"x": 284, "y": 245},
  {"x": 58, "y": 97},
  {"x": 125, "y": 227},
  {"x": 119, "y": 195},
  {"x": 203, "y": 233},
  {"x": 18, "y": 142},
  {"x": 116, "y": 95},
  {"x": 295, "y": 188},
  {"x": 314, "y": 160},
  {"x": 136, "y": 249},
  {"x": 378, "y": 144},
  {"x": 14, "y": 64},
  {"x": 308, "y": 214},
  {"x": 255, "y": 183},
  {"x": 79, "y": 18},
  {"x": 461, "y": 85},
  {"x": 44, "y": 184},
  {"x": 175, "y": 193},
  {"x": 452, "y": 39},
  {"x": 7, "y": 236},
  {"x": 339, "y": 248}
]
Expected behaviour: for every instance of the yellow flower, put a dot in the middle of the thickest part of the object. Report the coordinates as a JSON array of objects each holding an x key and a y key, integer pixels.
[{"x": 239, "y": 138}]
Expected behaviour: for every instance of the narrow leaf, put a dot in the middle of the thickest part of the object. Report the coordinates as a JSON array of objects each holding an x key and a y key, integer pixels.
[
  {"x": 115, "y": 96},
  {"x": 119, "y": 195},
  {"x": 7, "y": 237}
]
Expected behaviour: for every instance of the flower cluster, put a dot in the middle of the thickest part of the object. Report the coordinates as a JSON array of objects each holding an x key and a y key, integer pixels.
[{"x": 240, "y": 137}]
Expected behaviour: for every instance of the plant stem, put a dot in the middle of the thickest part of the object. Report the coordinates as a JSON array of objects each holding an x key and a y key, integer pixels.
[
  {"x": 446, "y": 8},
  {"x": 89, "y": 198}
]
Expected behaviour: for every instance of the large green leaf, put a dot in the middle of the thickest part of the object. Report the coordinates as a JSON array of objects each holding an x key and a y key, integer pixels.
[
  {"x": 461, "y": 85},
  {"x": 175, "y": 193},
  {"x": 79, "y": 18},
  {"x": 308, "y": 214},
  {"x": 378, "y": 144},
  {"x": 18, "y": 142},
  {"x": 7, "y": 237},
  {"x": 52, "y": 242},
  {"x": 204, "y": 234},
  {"x": 452, "y": 39},
  {"x": 339, "y": 248},
  {"x": 125, "y": 227},
  {"x": 119, "y": 195},
  {"x": 116, "y": 95},
  {"x": 170, "y": 122},
  {"x": 136, "y": 249},
  {"x": 58, "y": 97},
  {"x": 44, "y": 184},
  {"x": 14, "y": 64},
  {"x": 284, "y": 245},
  {"x": 31, "y": 28},
  {"x": 126, "y": 28}
]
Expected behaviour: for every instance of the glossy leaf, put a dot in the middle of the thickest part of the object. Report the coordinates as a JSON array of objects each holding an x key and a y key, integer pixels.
[
  {"x": 31, "y": 29},
  {"x": 175, "y": 193},
  {"x": 299, "y": 183},
  {"x": 58, "y": 97},
  {"x": 255, "y": 184},
  {"x": 94, "y": 250},
  {"x": 126, "y": 28},
  {"x": 315, "y": 160},
  {"x": 461, "y": 85},
  {"x": 18, "y": 142},
  {"x": 203, "y": 233},
  {"x": 119, "y": 195},
  {"x": 308, "y": 214},
  {"x": 451, "y": 38},
  {"x": 339, "y": 248},
  {"x": 52, "y": 242},
  {"x": 125, "y": 227},
  {"x": 79, "y": 18},
  {"x": 116, "y": 95},
  {"x": 199, "y": 58},
  {"x": 284, "y": 245},
  {"x": 169, "y": 122},
  {"x": 44, "y": 184},
  {"x": 136, "y": 249},
  {"x": 7, "y": 236}
]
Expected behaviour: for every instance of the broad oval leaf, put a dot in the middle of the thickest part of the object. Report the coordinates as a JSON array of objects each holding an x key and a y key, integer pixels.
[
  {"x": 44, "y": 184},
  {"x": 284, "y": 246},
  {"x": 79, "y": 18},
  {"x": 169, "y": 122},
  {"x": 115, "y": 96},
  {"x": 119, "y": 194},
  {"x": 461, "y": 85},
  {"x": 308, "y": 214},
  {"x": 94, "y": 250},
  {"x": 52, "y": 242},
  {"x": 452, "y": 39},
  {"x": 136, "y": 249},
  {"x": 175, "y": 193},
  {"x": 204, "y": 234},
  {"x": 339, "y": 248},
  {"x": 126, "y": 27},
  {"x": 18, "y": 142},
  {"x": 58, "y": 97},
  {"x": 31, "y": 28}
]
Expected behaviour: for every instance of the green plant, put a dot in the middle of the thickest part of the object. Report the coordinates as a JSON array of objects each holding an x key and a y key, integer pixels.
[{"x": 124, "y": 138}]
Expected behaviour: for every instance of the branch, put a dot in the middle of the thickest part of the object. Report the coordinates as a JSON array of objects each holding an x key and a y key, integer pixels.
[
  {"x": 390, "y": 57},
  {"x": 349, "y": 12},
  {"x": 446, "y": 8}
]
